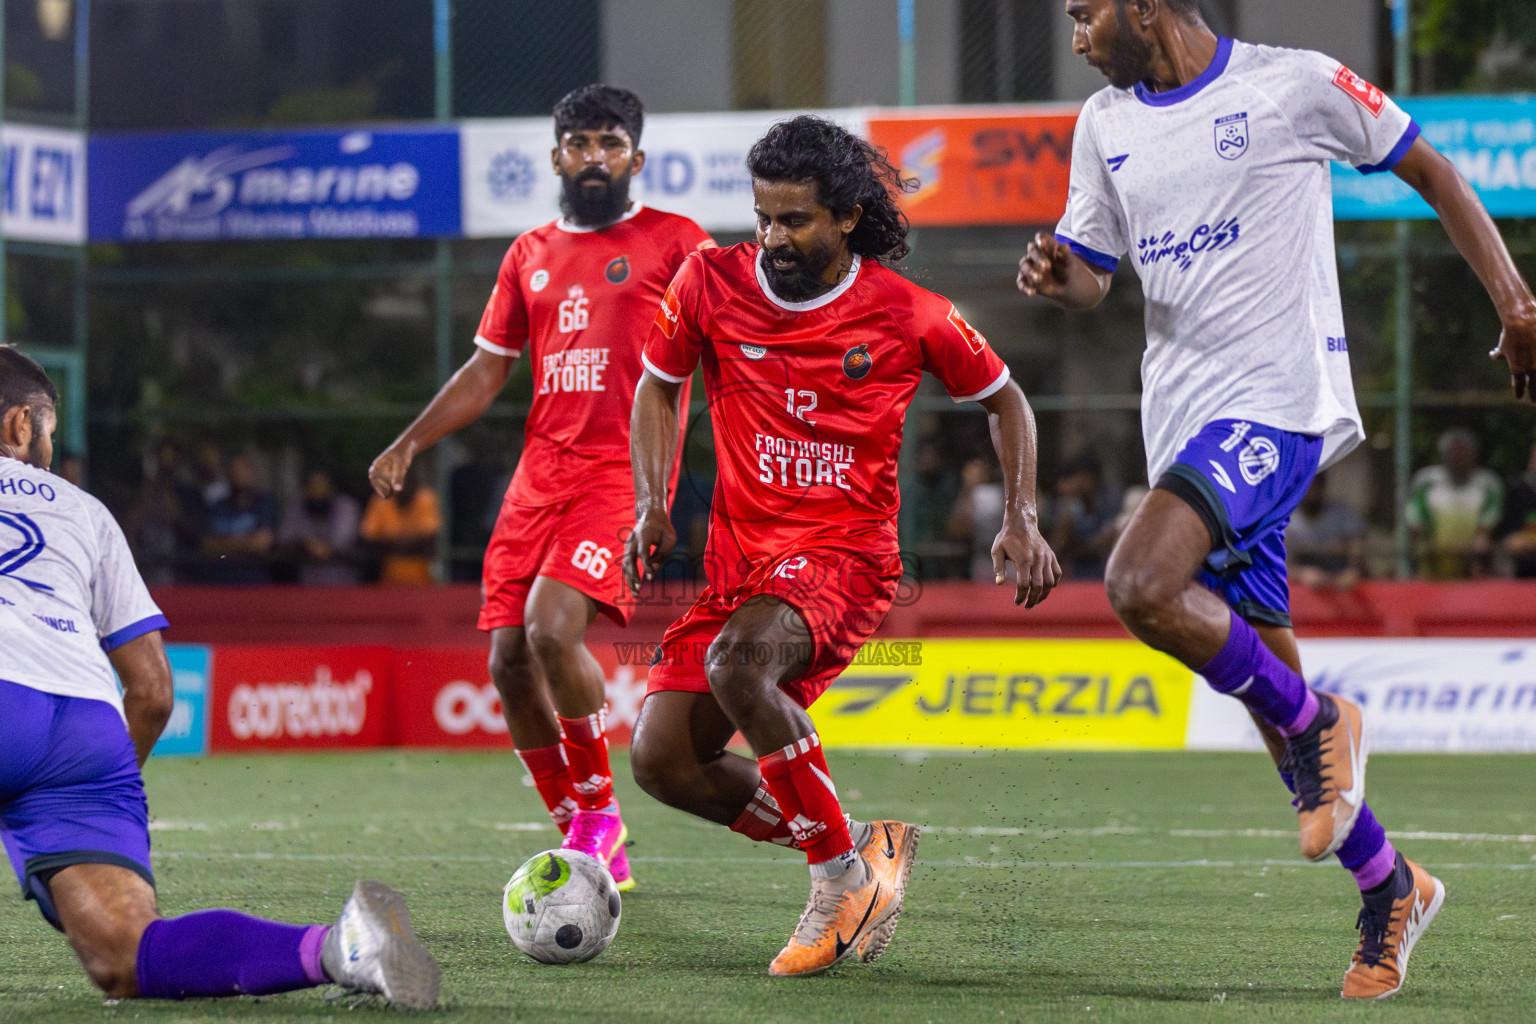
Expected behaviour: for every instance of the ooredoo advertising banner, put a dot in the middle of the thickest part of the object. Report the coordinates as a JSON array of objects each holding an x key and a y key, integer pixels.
[
  {"x": 359, "y": 183},
  {"x": 982, "y": 165},
  {"x": 285, "y": 698},
  {"x": 444, "y": 697}
]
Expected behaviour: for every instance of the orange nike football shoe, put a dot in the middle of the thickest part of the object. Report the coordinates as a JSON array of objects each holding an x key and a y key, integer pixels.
[
  {"x": 841, "y": 912},
  {"x": 890, "y": 847},
  {"x": 1389, "y": 929},
  {"x": 1327, "y": 762}
]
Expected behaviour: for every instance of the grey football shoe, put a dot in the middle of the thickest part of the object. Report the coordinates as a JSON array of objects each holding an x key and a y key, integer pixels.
[{"x": 373, "y": 948}]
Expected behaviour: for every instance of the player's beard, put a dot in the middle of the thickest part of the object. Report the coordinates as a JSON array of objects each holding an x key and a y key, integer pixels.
[
  {"x": 1130, "y": 59},
  {"x": 593, "y": 206},
  {"x": 802, "y": 280}
]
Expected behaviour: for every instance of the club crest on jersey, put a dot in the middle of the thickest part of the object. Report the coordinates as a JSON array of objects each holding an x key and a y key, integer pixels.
[
  {"x": 857, "y": 362},
  {"x": 1232, "y": 136},
  {"x": 539, "y": 281},
  {"x": 1361, "y": 91},
  {"x": 617, "y": 271}
]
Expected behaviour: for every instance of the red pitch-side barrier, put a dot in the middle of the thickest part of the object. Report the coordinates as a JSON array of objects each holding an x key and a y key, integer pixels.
[{"x": 301, "y": 668}]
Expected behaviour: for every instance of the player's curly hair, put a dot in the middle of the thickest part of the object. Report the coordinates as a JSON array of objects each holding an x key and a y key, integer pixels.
[
  {"x": 848, "y": 172},
  {"x": 23, "y": 382},
  {"x": 600, "y": 106}
]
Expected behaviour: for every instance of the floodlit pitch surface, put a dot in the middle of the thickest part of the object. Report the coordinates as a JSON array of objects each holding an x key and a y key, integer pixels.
[{"x": 1128, "y": 887}]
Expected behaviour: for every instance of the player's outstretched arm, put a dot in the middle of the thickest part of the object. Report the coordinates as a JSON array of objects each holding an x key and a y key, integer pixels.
[
  {"x": 457, "y": 404},
  {"x": 1013, "y": 435},
  {"x": 1052, "y": 270},
  {"x": 147, "y": 693},
  {"x": 1476, "y": 237},
  {"x": 652, "y": 449}
]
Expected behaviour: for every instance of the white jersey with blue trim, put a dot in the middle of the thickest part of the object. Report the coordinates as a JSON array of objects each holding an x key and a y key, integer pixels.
[
  {"x": 1219, "y": 192},
  {"x": 69, "y": 590}
]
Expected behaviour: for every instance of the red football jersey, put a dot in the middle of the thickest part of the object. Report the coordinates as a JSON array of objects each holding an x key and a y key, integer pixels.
[
  {"x": 808, "y": 398},
  {"x": 583, "y": 301}
]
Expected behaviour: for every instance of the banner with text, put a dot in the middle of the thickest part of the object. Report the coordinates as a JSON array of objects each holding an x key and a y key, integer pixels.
[
  {"x": 982, "y": 165},
  {"x": 44, "y": 184},
  {"x": 1490, "y": 139},
  {"x": 695, "y": 165},
  {"x": 1419, "y": 695},
  {"x": 301, "y": 698},
  {"x": 360, "y": 183},
  {"x": 186, "y": 734}
]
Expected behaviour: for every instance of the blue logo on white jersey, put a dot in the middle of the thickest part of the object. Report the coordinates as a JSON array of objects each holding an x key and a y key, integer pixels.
[
  {"x": 1205, "y": 238},
  {"x": 1232, "y": 136},
  {"x": 1116, "y": 161},
  {"x": 31, "y": 545}
]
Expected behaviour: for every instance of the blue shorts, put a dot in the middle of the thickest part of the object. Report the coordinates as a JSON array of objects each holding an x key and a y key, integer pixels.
[
  {"x": 1245, "y": 479},
  {"x": 70, "y": 789}
]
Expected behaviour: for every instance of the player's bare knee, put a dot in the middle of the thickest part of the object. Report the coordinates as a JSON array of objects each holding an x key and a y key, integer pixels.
[
  {"x": 1141, "y": 593},
  {"x": 658, "y": 771},
  {"x": 511, "y": 668},
  {"x": 549, "y": 643},
  {"x": 109, "y": 953}
]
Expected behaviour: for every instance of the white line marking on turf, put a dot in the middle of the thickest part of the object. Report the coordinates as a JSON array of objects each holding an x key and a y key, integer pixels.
[
  {"x": 991, "y": 865},
  {"x": 1214, "y": 833}
]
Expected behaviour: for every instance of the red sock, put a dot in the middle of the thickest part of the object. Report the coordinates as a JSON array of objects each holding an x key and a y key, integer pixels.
[
  {"x": 586, "y": 751},
  {"x": 763, "y": 822},
  {"x": 797, "y": 777},
  {"x": 553, "y": 780}
]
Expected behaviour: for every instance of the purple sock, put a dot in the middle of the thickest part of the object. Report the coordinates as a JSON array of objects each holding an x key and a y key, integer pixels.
[
  {"x": 1249, "y": 671},
  {"x": 1366, "y": 853},
  {"x": 226, "y": 953}
]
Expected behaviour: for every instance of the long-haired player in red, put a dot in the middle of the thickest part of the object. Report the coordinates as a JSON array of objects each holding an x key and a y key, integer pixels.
[
  {"x": 812, "y": 349},
  {"x": 580, "y": 293}
]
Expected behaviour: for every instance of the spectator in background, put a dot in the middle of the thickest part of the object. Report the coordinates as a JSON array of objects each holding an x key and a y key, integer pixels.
[
  {"x": 1452, "y": 510},
  {"x": 72, "y": 468},
  {"x": 402, "y": 530},
  {"x": 1518, "y": 530},
  {"x": 977, "y": 516},
  {"x": 208, "y": 473},
  {"x": 1083, "y": 514},
  {"x": 240, "y": 530},
  {"x": 318, "y": 533},
  {"x": 164, "y": 524},
  {"x": 1325, "y": 540}
]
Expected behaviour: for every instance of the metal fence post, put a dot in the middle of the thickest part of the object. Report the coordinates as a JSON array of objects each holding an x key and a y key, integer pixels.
[{"x": 442, "y": 333}]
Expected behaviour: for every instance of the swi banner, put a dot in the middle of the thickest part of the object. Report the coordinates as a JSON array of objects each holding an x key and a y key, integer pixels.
[
  {"x": 695, "y": 165},
  {"x": 186, "y": 734},
  {"x": 363, "y": 183},
  {"x": 44, "y": 184},
  {"x": 981, "y": 165}
]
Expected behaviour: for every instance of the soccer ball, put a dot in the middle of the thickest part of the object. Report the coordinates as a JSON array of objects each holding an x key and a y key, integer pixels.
[{"x": 561, "y": 907}]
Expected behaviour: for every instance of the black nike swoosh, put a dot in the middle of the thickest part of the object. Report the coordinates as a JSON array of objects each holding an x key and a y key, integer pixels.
[
  {"x": 842, "y": 947},
  {"x": 890, "y": 847},
  {"x": 553, "y": 874}
]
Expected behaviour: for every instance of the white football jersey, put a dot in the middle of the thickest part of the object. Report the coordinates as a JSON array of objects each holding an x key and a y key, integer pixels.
[
  {"x": 1218, "y": 191},
  {"x": 69, "y": 591}
]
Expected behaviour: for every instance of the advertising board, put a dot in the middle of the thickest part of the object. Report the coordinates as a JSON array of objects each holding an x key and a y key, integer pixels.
[
  {"x": 356, "y": 183},
  {"x": 295, "y": 698},
  {"x": 186, "y": 734},
  {"x": 44, "y": 186}
]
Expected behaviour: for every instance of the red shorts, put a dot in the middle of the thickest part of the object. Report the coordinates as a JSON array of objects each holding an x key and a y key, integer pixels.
[
  {"x": 843, "y": 593},
  {"x": 579, "y": 542}
]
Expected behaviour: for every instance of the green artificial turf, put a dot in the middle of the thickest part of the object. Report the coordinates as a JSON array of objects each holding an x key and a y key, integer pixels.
[{"x": 1084, "y": 887}]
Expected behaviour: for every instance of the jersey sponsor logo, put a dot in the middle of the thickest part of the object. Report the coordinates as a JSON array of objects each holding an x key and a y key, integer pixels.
[
  {"x": 57, "y": 624},
  {"x": 575, "y": 369},
  {"x": 1232, "y": 136},
  {"x": 538, "y": 282},
  {"x": 790, "y": 462},
  {"x": 666, "y": 316},
  {"x": 857, "y": 362},
  {"x": 1158, "y": 248},
  {"x": 973, "y": 339},
  {"x": 1338, "y": 345},
  {"x": 28, "y": 489},
  {"x": 1117, "y": 162},
  {"x": 617, "y": 270},
  {"x": 1361, "y": 91},
  {"x": 753, "y": 351},
  {"x": 1258, "y": 459},
  {"x": 28, "y": 543}
]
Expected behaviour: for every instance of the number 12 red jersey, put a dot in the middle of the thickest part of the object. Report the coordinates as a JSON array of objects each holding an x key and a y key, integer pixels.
[{"x": 807, "y": 399}]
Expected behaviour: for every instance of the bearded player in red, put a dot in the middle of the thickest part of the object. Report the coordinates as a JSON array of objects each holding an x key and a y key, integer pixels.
[
  {"x": 581, "y": 292},
  {"x": 812, "y": 350}
]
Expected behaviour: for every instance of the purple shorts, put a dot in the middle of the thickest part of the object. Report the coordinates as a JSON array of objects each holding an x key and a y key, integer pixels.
[{"x": 70, "y": 789}]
